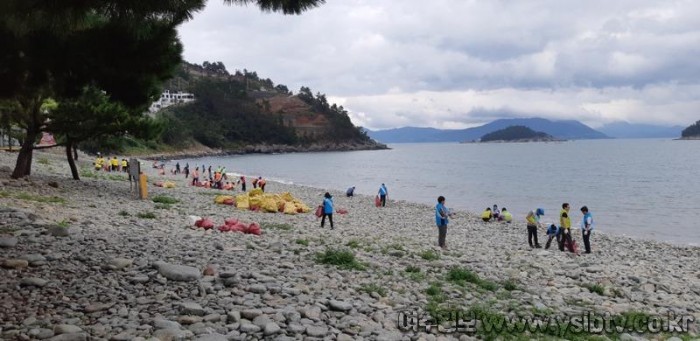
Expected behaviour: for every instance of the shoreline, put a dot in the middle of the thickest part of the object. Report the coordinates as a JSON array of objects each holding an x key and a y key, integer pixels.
[
  {"x": 105, "y": 279},
  {"x": 203, "y": 151}
]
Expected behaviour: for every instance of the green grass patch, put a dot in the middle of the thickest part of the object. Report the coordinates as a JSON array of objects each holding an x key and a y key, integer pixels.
[
  {"x": 343, "y": 259},
  {"x": 430, "y": 255},
  {"x": 37, "y": 198},
  {"x": 510, "y": 285},
  {"x": 353, "y": 244},
  {"x": 162, "y": 206},
  {"x": 596, "y": 288},
  {"x": 124, "y": 213},
  {"x": 275, "y": 226},
  {"x": 64, "y": 223},
  {"x": 398, "y": 247},
  {"x": 146, "y": 215},
  {"x": 373, "y": 287},
  {"x": 164, "y": 199},
  {"x": 117, "y": 177},
  {"x": 304, "y": 242},
  {"x": 412, "y": 269},
  {"x": 43, "y": 161},
  {"x": 461, "y": 276}
]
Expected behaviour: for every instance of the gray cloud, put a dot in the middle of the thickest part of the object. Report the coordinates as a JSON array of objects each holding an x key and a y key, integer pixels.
[{"x": 453, "y": 63}]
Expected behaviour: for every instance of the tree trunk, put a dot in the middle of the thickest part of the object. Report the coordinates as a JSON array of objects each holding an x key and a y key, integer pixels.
[
  {"x": 75, "y": 152},
  {"x": 71, "y": 162},
  {"x": 23, "y": 167}
]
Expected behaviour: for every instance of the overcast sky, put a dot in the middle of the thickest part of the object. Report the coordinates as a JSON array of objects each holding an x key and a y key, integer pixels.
[{"x": 461, "y": 63}]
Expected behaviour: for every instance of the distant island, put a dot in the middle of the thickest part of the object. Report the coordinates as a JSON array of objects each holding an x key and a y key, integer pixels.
[
  {"x": 692, "y": 132},
  {"x": 562, "y": 129},
  {"x": 517, "y": 133}
]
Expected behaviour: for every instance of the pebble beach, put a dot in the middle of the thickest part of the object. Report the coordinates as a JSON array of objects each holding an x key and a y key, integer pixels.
[{"x": 87, "y": 260}]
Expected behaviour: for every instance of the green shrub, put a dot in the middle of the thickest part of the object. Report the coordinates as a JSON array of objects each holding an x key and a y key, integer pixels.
[
  {"x": 353, "y": 244},
  {"x": 596, "y": 288},
  {"x": 343, "y": 259},
  {"x": 163, "y": 199},
  {"x": 462, "y": 276},
  {"x": 146, "y": 215},
  {"x": 430, "y": 255},
  {"x": 304, "y": 242},
  {"x": 275, "y": 226},
  {"x": 510, "y": 285},
  {"x": 373, "y": 287},
  {"x": 412, "y": 269}
]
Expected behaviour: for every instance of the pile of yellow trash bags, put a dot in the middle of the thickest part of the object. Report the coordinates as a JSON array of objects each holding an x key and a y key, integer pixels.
[
  {"x": 164, "y": 184},
  {"x": 256, "y": 200}
]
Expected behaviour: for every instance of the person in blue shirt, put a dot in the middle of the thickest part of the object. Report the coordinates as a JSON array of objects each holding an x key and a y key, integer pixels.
[
  {"x": 442, "y": 214},
  {"x": 350, "y": 192},
  {"x": 552, "y": 233},
  {"x": 383, "y": 192},
  {"x": 327, "y": 209},
  {"x": 586, "y": 228}
]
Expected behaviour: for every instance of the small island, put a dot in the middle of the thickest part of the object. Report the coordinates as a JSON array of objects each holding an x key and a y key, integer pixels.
[
  {"x": 692, "y": 132},
  {"x": 517, "y": 133}
]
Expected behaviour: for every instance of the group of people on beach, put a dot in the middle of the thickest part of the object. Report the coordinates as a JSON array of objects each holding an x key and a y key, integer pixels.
[
  {"x": 327, "y": 206},
  {"x": 496, "y": 215},
  {"x": 216, "y": 178},
  {"x": 111, "y": 164},
  {"x": 562, "y": 233}
]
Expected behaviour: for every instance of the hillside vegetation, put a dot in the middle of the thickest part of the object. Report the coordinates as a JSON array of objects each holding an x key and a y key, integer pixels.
[
  {"x": 693, "y": 131},
  {"x": 239, "y": 109},
  {"x": 232, "y": 112}
]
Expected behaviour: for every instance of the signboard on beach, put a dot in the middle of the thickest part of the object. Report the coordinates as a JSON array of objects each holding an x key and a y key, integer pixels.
[{"x": 134, "y": 172}]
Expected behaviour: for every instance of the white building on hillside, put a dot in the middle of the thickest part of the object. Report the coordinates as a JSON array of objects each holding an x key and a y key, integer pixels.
[{"x": 167, "y": 99}]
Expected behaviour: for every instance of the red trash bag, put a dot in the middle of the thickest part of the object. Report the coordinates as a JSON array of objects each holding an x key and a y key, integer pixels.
[
  {"x": 342, "y": 211},
  {"x": 377, "y": 201},
  {"x": 231, "y": 221},
  {"x": 204, "y": 223},
  {"x": 254, "y": 228},
  {"x": 224, "y": 228},
  {"x": 319, "y": 211},
  {"x": 239, "y": 227},
  {"x": 229, "y": 202}
]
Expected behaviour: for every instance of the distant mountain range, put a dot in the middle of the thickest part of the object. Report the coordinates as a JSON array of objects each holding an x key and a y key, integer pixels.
[
  {"x": 625, "y": 130},
  {"x": 567, "y": 130}
]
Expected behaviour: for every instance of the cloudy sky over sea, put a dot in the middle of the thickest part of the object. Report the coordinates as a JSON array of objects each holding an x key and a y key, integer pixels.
[{"x": 461, "y": 63}]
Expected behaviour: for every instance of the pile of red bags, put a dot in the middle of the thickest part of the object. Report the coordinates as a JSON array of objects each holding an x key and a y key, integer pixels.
[{"x": 231, "y": 225}]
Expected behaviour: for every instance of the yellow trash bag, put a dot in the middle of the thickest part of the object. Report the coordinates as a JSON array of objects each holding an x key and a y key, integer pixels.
[
  {"x": 287, "y": 196},
  {"x": 255, "y": 192},
  {"x": 168, "y": 184},
  {"x": 221, "y": 198},
  {"x": 242, "y": 201},
  {"x": 290, "y": 208},
  {"x": 269, "y": 204},
  {"x": 254, "y": 202},
  {"x": 301, "y": 208}
]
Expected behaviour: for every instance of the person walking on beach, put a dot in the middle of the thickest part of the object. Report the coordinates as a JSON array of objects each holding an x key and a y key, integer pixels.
[
  {"x": 195, "y": 177},
  {"x": 209, "y": 171},
  {"x": 327, "y": 209},
  {"x": 586, "y": 228},
  {"x": 383, "y": 192},
  {"x": 177, "y": 168},
  {"x": 565, "y": 240},
  {"x": 350, "y": 192},
  {"x": 243, "y": 183},
  {"x": 187, "y": 171},
  {"x": 261, "y": 183},
  {"x": 533, "y": 222},
  {"x": 442, "y": 214}
]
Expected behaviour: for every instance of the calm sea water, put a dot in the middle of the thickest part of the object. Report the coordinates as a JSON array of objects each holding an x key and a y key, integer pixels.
[{"x": 645, "y": 188}]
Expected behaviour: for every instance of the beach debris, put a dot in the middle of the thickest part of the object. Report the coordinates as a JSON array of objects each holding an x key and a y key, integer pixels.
[{"x": 256, "y": 200}]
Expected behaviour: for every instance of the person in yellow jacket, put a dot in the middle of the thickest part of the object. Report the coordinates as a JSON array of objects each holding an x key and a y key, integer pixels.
[
  {"x": 125, "y": 166},
  {"x": 486, "y": 215},
  {"x": 565, "y": 228},
  {"x": 505, "y": 216},
  {"x": 114, "y": 163}
]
